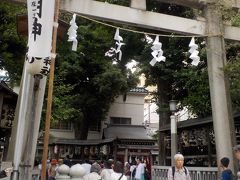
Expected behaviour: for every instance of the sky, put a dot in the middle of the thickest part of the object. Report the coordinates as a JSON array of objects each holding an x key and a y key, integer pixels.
[{"x": 3, "y": 73}]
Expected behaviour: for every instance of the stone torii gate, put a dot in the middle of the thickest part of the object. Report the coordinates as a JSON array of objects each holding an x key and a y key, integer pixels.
[
  {"x": 136, "y": 15},
  {"x": 212, "y": 27}
]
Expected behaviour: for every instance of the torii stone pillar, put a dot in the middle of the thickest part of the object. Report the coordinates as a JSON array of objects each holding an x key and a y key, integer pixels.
[
  {"x": 138, "y": 4},
  {"x": 219, "y": 89}
]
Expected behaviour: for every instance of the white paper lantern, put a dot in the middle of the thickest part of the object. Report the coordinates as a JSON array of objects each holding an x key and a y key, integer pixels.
[{"x": 35, "y": 65}]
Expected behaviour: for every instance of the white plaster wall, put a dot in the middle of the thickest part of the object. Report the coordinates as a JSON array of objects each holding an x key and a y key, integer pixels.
[
  {"x": 132, "y": 108},
  {"x": 94, "y": 135},
  {"x": 65, "y": 134}
]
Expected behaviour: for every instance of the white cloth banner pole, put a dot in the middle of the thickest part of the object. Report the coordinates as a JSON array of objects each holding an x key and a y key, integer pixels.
[{"x": 20, "y": 118}]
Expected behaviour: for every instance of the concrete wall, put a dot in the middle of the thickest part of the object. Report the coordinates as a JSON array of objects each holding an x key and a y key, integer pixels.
[
  {"x": 66, "y": 134},
  {"x": 132, "y": 108}
]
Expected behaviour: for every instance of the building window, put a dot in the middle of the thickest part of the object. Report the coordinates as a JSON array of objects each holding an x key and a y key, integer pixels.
[
  {"x": 61, "y": 125},
  {"x": 95, "y": 126},
  {"x": 120, "y": 120}
]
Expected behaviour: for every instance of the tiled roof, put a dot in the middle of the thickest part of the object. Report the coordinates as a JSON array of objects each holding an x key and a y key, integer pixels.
[
  {"x": 83, "y": 142},
  {"x": 196, "y": 122},
  {"x": 4, "y": 87}
]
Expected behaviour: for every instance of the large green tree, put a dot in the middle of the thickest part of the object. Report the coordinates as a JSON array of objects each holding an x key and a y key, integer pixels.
[
  {"x": 86, "y": 80},
  {"x": 95, "y": 81},
  {"x": 12, "y": 46},
  {"x": 185, "y": 83}
]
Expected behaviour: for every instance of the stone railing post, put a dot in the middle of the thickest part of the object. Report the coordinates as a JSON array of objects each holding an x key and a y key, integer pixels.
[
  {"x": 63, "y": 172},
  {"x": 77, "y": 172}
]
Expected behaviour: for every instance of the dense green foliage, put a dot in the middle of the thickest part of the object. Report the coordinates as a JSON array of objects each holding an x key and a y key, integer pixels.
[
  {"x": 232, "y": 69},
  {"x": 12, "y": 46},
  {"x": 86, "y": 82},
  {"x": 95, "y": 80}
]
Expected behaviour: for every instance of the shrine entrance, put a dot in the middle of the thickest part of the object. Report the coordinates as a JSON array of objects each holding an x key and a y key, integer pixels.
[{"x": 213, "y": 29}]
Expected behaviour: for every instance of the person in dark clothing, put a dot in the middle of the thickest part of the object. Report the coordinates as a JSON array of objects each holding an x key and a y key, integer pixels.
[
  {"x": 226, "y": 173},
  {"x": 6, "y": 172},
  {"x": 67, "y": 161},
  {"x": 236, "y": 150},
  {"x": 2, "y": 174}
]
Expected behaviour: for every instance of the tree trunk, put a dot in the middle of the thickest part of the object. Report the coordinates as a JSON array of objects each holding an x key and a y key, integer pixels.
[
  {"x": 163, "y": 89},
  {"x": 81, "y": 129}
]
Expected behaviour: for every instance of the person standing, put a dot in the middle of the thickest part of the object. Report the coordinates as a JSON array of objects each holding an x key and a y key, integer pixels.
[
  {"x": 67, "y": 161},
  {"x": 226, "y": 173},
  {"x": 127, "y": 171},
  {"x": 178, "y": 172},
  {"x": 6, "y": 173},
  {"x": 140, "y": 169},
  {"x": 236, "y": 150},
  {"x": 52, "y": 170},
  {"x": 118, "y": 173},
  {"x": 94, "y": 172},
  {"x": 107, "y": 170}
]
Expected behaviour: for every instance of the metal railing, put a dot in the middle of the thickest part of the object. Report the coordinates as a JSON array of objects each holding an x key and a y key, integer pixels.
[
  {"x": 196, "y": 173},
  {"x": 36, "y": 174}
]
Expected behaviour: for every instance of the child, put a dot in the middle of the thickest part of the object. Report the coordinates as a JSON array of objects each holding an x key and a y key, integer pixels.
[{"x": 226, "y": 173}]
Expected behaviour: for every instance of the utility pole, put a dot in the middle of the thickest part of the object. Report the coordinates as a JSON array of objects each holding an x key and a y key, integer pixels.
[
  {"x": 220, "y": 99},
  {"x": 50, "y": 92}
]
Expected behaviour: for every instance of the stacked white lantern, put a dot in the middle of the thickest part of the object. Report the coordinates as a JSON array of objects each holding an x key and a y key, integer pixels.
[{"x": 77, "y": 172}]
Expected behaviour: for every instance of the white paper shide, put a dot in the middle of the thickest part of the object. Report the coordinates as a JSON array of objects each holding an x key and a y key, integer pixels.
[
  {"x": 157, "y": 52},
  {"x": 194, "y": 52},
  {"x": 72, "y": 33}
]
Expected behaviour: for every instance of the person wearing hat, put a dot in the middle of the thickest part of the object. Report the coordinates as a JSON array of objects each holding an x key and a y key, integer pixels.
[
  {"x": 52, "y": 169},
  {"x": 226, "y": 173}
]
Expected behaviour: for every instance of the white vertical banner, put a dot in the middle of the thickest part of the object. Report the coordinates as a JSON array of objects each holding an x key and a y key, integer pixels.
[{"x": 40, "y": 20}]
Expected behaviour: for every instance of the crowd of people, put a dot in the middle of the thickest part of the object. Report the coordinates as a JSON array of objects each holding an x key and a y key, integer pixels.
[
  {"x": 106, "y": 170},
  {"x": 116, "y": 170}
]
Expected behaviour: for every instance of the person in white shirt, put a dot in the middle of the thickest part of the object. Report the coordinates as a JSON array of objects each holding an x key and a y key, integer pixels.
[
  {"x": 178, "y": 172},
  {"x": 118, "y": 173},
  {"x": 139, "y": 170},
  {"x": 107, "y": 170},
  {"x": 94, "y": 173},
  {"x": 133, "y": 169}
]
